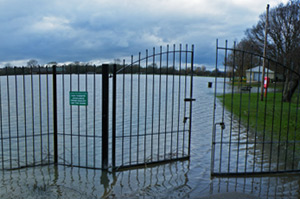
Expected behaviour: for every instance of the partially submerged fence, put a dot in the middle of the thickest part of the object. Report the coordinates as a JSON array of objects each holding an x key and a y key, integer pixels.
[
  {"x": 251, "y": 136},
  {"x": 81, "y": 116},
  {"x": 154, "y": 107}
]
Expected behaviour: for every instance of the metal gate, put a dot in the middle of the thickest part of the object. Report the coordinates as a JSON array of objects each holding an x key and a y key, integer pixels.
[
  {"x": 251, "y": 136},
  {"x": 152, "y": 105},
  {"x": 101, "y": 117}
]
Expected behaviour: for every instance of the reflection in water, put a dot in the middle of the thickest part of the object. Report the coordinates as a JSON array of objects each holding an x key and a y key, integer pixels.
[
  {"x": 187, "y": 179},
  {"x": 262, "y": 187},
  {"x": 66, "y": 182},
  {"x": 173, "y": 180}
]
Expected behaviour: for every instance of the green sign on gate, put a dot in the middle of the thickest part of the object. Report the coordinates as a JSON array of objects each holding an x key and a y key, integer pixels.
[{"x": 78, "y": 98}]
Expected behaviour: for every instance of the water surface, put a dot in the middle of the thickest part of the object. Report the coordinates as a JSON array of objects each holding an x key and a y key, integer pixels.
[{"x": 181, "y": 179}]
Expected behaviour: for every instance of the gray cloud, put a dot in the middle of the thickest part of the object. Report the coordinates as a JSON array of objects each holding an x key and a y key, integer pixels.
[{"x": 65, "y": 30}]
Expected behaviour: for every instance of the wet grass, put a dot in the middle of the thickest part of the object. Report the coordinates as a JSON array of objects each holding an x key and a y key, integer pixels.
[
  {"x": 278, "y": 85},
  {"x": 272, "y": 118}
]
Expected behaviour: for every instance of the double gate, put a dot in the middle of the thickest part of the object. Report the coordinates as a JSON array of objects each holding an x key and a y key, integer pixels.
[
  {"x": 254, "y": 132},
  {"x": 101, "y": 117}
]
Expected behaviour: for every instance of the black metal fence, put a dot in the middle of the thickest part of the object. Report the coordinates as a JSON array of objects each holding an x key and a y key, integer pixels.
[
  {"x": 254, "y": 132},
  {"x": 26, "y": 118},
  {"x": 153, "y": 108},
  {"x": 115, "y": 116}
]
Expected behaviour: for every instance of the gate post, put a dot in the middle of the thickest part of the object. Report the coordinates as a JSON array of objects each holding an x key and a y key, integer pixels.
[
  {"x": 105, "y": 118},
  {"x": 54, "y": 81},
  {"x": 114, "y": 116}
]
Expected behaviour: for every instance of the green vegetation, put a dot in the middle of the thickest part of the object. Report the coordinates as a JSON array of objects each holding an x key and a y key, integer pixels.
[
  {"x": 278, "y": 85},
  {"x": 276, "y": 118}
]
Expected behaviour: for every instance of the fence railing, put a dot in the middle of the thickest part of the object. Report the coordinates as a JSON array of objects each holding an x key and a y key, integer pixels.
[
  {"x": 252, "y": 136},
  {"x": 153, "y": 100},
  {"x": 77, "y": 115}
]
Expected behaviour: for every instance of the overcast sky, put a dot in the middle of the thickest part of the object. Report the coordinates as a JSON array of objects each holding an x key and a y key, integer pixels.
[{"x": 103, "y": 30}]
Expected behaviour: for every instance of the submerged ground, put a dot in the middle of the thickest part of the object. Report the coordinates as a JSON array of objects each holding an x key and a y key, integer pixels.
[{"x": 182, "y": 179}]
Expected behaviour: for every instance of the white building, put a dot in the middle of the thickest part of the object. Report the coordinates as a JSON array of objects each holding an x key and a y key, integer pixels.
[{"x": 255, "y": 74}]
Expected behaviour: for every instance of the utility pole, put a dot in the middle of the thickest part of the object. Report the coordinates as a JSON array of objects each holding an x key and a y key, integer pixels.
[{"x": 264, "y": 55}]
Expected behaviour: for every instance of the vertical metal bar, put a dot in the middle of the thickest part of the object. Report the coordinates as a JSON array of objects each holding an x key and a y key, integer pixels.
[
  {"x": 185, "y": 96},
  {"x": 153, "y": 85},
  {"x": 1, "y": 126},
  {"x": 25, "y": 118},
  {"x": 48, "y": 118},
  {"x": 94, "y": 118},
  {"x": 71, "y": 118},
  {"x": 86, "y": 119},
  {"x": 240, "y": 113},
  {"x": 191, "y": 97},
  {"x": 146, "y": 104},
  {"x": 296, "y": 122},
  {"x": 9, "y": 119},
  {"x": 256, "y": 123},
  {"x": 63, "y": 110},
  {"x": 223, "y": 108},
  {"x": 114, "y": 116},
  {"x": 78, "y": 116},
  {"x": 166, "y": 104},
  {"x": 280, "y": 128},
  {"x": 105, "y": 116},
  {"x": 265, "y": 121},
  {"x": 273, "y": 118},
  {"x": 179, "y": 99},
  {"x": 212, "y": 164},
  {"x": 173, "y": 93},
  {"x": 17, "y": 114},
  {"x": 159, "y": 103},
  {"x": 131, "y": 96},
  {"x": 248, "y": 116},
  {"x": 138, "y": 109},
  {"x": 32, "y": 114},
  {"x": 55, "y": 114},
  {"x": 287, "y": 135},
  {"x": 40, "y": 112},
  {"x": 123, "y": 112},
  {"x": 231, "y": 112}
]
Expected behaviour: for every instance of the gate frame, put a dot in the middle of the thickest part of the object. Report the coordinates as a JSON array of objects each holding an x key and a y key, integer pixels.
[
  {"x": 222, "y": 124},
  {"x": 189, "y": 100}
]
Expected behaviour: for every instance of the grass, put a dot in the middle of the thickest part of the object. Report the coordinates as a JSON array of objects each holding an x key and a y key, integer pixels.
[
  {"x": 279, "y": 85},
  {"x": 274, "y": 119}
]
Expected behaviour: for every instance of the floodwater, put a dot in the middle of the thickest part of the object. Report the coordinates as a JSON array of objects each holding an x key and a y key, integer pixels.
[{"x": 181, "y": 179}]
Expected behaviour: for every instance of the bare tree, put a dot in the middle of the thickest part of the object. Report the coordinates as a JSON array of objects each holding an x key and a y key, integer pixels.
[
  {"x": 240, "y": 59},
  {"x": 284, "y": 41},
  {"x": 32, "y": 63}
]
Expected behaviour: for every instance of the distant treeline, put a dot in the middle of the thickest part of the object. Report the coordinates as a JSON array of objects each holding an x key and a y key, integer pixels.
[{"x": 93, "y": 69}]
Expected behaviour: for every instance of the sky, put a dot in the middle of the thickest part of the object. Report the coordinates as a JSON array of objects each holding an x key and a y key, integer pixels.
[{"x": 97, "y": 31}]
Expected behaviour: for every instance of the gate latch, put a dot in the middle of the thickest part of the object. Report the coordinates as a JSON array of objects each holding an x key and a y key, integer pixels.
[
  {"x": 185, "y": 119},
  {"x": 222, "y": 125},
  {"x": 189, "y": 99}
]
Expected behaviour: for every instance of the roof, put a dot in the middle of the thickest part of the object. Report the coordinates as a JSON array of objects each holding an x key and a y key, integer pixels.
[{"x": 260, "y": 69}]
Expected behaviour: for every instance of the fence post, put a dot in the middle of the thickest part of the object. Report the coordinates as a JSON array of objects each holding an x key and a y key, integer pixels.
[
  {"x": 105, "y": 118},
  {"x": 55, "y": 113},
  {"x": 114, "y": 116},
  {"x": 191, "y": 97}
]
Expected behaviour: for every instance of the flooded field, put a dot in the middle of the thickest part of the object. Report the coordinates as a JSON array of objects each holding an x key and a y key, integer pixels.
[{"x": 181, "y": 179}]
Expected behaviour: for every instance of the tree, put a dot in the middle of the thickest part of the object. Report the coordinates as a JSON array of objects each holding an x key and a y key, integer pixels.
[
  {"x": 283, "y": 42},
  {"x": 240, "y": 59},
  {"x": 32, "y": 63},
  {"x": 8, "y": 65}
]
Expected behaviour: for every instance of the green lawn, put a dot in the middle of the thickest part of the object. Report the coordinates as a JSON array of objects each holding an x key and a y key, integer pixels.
[{"x": 277, "y": 119}]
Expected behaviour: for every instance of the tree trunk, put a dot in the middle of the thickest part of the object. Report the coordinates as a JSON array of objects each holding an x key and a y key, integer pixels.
[{"x": 289, "y": 88}]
